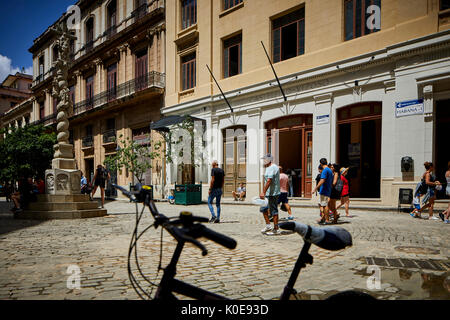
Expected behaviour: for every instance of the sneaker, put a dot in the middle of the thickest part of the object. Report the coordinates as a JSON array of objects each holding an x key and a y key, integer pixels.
[
  {"x": 434, "y": 218},
  {"x": 447, "y": 221},
  {"x": 290, "y": 218},
  {"x": 18, "y": 211},
  {"x": 217, "y": 221},
  {"x": 212, "y": 220},
  {"x": 441, "y": 215},
  {"x": 274, "y": 232},
  {"x": 266, "y": 229}
]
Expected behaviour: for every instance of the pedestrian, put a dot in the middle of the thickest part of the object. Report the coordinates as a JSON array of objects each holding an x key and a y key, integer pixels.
[
  {"x": 336, "y": 190},
  {"x": 215, "y": 190},
  {"x": 100, "y": 177},
  {"x": 324, "y": 186},
  {"x": 283, "y": 197},
  {"x": 40, "y": 185},
  {"x": 271, "y": 191},
  {"x": 24, "y": 195},
  {"x": 429, "y": 184},
  {"x": 345, "y": 197},
  {"x": 9, "y": 190},
  {"x": 239, "y": 194},
  {"x": 446, "y": 214}
]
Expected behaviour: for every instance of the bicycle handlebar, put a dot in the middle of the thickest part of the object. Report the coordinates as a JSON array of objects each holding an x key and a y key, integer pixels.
[{"x": 190, "y": 231}]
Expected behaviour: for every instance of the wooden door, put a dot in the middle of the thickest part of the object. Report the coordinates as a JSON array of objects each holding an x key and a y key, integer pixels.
[
  {"x": 141, "y": 80},
  {"x": 112, "y": 81},
  {"x": 308, "y": 165},
  {"x": 235, "y": 161}
]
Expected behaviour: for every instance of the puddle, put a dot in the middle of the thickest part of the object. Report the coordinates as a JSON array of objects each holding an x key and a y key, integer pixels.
[
  {"x": 397, "y": 284},
  {"x": 405, "y": 284}
]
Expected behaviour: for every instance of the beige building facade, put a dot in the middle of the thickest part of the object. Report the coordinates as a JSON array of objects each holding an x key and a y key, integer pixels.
[
  {"x": 363, "y": 83},
  {"x": 116, "y": 81}
]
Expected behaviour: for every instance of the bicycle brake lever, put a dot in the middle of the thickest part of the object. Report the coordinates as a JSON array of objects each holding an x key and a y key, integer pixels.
[{"x": 180, "y": 236}]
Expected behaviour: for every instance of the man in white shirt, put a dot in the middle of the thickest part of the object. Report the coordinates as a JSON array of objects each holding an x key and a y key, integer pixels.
[{"x": 240, "y": 194}]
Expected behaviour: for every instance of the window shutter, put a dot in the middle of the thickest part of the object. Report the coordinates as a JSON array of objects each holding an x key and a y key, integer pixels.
[
  {"x": 276, "y": 45},
  {"x": 225, "y": 63},
  {"x": 301, "y": 37}
]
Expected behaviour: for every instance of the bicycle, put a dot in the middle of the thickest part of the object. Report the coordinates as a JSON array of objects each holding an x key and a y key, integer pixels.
[{"x": 187, "y": 228}]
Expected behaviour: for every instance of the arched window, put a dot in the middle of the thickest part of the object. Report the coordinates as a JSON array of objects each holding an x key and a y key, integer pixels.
[{"x": 89, "y": 34}]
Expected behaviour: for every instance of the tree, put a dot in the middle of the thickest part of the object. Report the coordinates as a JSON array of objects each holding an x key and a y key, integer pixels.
[
  {"x": 26, "y": 151},
  {"x": 135, "y": 157}
]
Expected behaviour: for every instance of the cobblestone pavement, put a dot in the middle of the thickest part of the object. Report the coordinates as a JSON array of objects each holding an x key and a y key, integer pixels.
[{"x": 35, "y": 256}]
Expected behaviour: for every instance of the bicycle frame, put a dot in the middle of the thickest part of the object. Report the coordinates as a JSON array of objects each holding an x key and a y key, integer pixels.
[{"x": 169, "y": 285}]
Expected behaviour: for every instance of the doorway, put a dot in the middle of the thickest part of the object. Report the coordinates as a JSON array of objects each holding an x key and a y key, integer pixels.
[
  {"x": 289, "y": 139},
  {"x": 359, "y": 148},
  {"x": 89, "y": 169},
  {"x": 234, "y": 158},
  {"x": 442, "y": 150}
]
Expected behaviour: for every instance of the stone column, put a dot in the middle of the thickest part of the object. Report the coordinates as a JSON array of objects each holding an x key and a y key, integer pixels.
[
  {"x": 98, "y": 82},
  {"x": 428, "y": 112}
]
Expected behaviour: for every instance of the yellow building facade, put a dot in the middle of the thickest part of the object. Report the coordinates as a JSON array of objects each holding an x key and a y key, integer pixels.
[{"x": 348, "y": 70}]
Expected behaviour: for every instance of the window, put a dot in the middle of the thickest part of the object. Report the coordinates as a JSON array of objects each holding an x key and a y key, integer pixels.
[
  {"x": 12, "y": 104},
  {"x": 112, "y": 81},
  {"x": 90, "y": 91},
  {"x": 227, "y": 4},
  {"x": 55, "y": 104},
  {"x": 89, "y": 33},
  {"x": 89, "y": 130},
  {"x": 55, "y": 53},
  {"x": 72, "y": 48},
  {"x": 141, "y": 73},
  {"x": 112, "y": 15},
  {"x": 41, "y": 110},
  {"x": 444, "y": 5},
  {"x": 357, "y": 21},
  {"x": 232, "y": 56},
  {"x": 41, "y": 66},
  {"x": 188, "y": 13},
  {"x": 111, "y": 124},
  {"x": 288, "y": 36},
  {"x": 188, "y": 71},
  {"x": 140, "y": 8},
  {"x": 72, "y": 94}
]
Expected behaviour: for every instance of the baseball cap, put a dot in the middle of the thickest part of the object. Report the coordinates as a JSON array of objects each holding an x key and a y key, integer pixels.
[{"x": 268, "y": 157}]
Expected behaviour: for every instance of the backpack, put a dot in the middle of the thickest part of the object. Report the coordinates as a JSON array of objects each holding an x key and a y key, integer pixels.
[{"x": 339, "y": 185}]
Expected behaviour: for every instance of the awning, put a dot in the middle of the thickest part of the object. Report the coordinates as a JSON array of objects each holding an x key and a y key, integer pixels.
[{"x": 164, "y": 123}]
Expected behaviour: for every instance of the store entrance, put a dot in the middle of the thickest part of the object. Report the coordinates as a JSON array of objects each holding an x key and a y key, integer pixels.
[
  {"x": 442, "y": 150},
  {"x": 359, "y": 148},
  {"x": 89, "y": 170},
  {"x": 289, "y": 139},
  {"x": 234, "y": 158}
]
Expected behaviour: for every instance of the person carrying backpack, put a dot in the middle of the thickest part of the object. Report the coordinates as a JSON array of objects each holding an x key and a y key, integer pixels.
[
  {"x": 100, "y": 178},
  {"x": 336, "y": 190}
]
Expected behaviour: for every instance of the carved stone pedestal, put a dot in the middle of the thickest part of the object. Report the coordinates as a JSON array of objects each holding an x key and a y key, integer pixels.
[{"x": 62, "y": 182}]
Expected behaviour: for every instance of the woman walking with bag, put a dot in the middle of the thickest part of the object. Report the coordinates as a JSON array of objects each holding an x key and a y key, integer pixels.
[
  {"x": 428, "y": 181},
  {"x": 345, "y": 197},
  {"x": 336, "y": 190}
]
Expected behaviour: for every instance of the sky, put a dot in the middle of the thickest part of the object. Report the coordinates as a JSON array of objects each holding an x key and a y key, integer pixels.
[{"x": 22, "y": 21}]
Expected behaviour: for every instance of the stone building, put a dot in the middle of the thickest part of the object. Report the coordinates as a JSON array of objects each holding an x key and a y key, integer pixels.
[
  {"x": 116, "y": 80},
  {"x": 15, "y": 103},
  {"x": 364, "y": 84}
]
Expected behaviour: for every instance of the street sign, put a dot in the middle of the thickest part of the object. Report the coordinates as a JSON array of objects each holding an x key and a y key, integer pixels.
[
  {"x": 323, "y": 119},
  {"x": 407, "y": 108}
]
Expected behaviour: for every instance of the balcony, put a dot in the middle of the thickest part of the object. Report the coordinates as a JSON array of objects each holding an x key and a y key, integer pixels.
[
  {"x": 140, "y": 12},
  {"x": 87, "y": 142},
  {"x": 109, "y": 136},
  {"x": 111, "y": 32},
  {"x": 44, "y": 76},
  {"x": 88, "y": 46},
  {"x": 45, "y": 121},
  {"x": 150, "y": 80}
]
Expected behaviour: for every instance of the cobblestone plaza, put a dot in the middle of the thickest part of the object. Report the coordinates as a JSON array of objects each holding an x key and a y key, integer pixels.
[{"x": 413, "y": 256}]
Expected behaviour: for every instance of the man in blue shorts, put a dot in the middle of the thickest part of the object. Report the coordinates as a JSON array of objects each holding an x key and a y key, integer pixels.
[{"x": 325, "y": 184}]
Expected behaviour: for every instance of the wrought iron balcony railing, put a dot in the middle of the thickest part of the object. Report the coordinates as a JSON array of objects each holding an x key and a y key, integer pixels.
[
  {"x": 88, "y": 46},
  {"x": 152, "y": 79},
  {"x": 87, "y": 142},
  {"x": 109, "y": 33},
  {"x": 50, "y": 119},
  {"x": 109, "y": 136},
  {"x": 140, "y": 12}
]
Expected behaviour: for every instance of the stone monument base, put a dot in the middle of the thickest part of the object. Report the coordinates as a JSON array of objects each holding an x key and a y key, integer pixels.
[
  {"x": 75, "y": 206},
  {"x": 62, "y": 182}
]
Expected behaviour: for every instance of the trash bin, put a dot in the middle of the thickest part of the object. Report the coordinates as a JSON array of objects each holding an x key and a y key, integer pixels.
[{"x": 187, "y": 194}]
